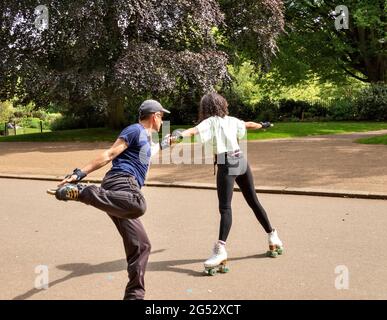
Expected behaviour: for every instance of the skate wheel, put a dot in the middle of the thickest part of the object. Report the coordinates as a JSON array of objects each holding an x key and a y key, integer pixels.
[
  {"x": 280, "y": 251},
  {"x": 52, "y": 191},
  {"x": 210, "y": 272},
  {"x": 224, "y": 269},
  {"x": 272, "y": 254}
]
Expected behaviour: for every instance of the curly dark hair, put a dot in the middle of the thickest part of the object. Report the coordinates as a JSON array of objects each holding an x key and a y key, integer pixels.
[{"x": 213, "y": 104}]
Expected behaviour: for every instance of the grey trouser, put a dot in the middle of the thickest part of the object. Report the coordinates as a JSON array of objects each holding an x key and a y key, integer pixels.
[{"x": 121, "y": 198}]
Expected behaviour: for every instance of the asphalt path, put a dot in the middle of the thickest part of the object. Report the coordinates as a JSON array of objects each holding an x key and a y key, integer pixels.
[
  {"x": 334, "y": 248},
  {"x": 328, "y": 162}
]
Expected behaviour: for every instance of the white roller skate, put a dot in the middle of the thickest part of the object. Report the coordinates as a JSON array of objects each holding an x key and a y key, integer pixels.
[
  {"x": 275, "y": 245},
  {"x": 217, "y": 262}
]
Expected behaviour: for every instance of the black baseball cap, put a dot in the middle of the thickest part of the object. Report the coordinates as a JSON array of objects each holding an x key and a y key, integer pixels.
[{"x": 151, "y": 106}]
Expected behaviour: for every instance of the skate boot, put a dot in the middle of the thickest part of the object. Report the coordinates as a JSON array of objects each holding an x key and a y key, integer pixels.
[
  {"x": 275, "y": 245},
  {"x": 217, "y": 262},
  {"x": 69, "y": 191}
]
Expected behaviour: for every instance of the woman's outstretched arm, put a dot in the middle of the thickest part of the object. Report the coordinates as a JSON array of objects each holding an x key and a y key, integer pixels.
[
  {"x": 259, "y": 125},
  {"x": 190, "y": 132}
]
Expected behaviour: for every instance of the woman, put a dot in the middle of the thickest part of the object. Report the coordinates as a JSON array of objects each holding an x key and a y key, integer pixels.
[{"x": 224, "y": 131}]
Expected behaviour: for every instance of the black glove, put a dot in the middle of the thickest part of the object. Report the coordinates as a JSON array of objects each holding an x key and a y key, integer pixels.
[
  {"x": 265, "y": 124},
  {"x": 77, "y": 172},
  {"x": 168, "y": 139},
  {"x": 165, "y": 142},
  {"x": 176, "y": 136}
]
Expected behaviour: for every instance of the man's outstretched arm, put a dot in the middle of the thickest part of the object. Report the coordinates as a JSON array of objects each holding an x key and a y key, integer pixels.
[{"x": 103, "y": 159}]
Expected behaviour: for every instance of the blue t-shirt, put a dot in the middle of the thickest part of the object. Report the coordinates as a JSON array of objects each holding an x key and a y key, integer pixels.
[{"x": 136, "y": 157}]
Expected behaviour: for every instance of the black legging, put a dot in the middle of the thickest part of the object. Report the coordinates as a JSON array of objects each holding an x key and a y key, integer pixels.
[{"x": 237, "y": 170}]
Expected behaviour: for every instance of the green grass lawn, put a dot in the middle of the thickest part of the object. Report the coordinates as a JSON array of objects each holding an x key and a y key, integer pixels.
[
  {"x": 302, "y": 129},
  {"x": 19, "y": 131},
  {"x": 82, "y": 135},
  {"x": 27, "y": 131},
  {"x": 280, "y": 130},
  {"x": 373, "y": 140}
]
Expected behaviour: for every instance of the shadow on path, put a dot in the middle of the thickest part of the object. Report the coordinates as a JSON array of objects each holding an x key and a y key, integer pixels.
[{"x": 85, "y": 269}]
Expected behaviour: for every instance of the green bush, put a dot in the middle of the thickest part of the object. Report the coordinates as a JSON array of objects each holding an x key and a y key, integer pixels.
[
  {"x": 316, "y": 110},
  {"x": 50, "y": 119},
  {"x": 81, "y": 116},
  {"x": 29, "y": 123},
  {"x": 342, "y": 109},
  {"x": 290, "y": 110},
  {"x": 42, "y": 115},
  {"x": 66, "y": 123},
  {"x": 6, "y": 112},
  {"x": 237, "y": 107},
  {"x": 299, "y": 109},
  {"x": 266, "y": 110},
  {"x": 371, "y": 104}
]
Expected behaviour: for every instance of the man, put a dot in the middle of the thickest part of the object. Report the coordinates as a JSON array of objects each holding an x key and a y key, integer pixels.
[{"x": 119, "y": 194}]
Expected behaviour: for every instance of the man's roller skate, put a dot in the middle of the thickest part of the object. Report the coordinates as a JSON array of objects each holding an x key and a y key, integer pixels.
[
  {"x": 69, "y": 191},
  {"x": 217, "y": 262},
  {"x": 275, "y": 245}
]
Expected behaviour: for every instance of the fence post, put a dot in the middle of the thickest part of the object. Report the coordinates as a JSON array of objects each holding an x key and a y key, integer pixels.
[
  {"x": 14, "y": 127},
  {"x": 5, "y": 129},
  {"x": 41, "y": 126}
]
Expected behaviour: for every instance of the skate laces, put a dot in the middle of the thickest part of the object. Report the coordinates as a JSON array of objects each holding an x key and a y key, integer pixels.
[
  {"x": 72, "y": 192},
  {"x": 217, "y": 248}
]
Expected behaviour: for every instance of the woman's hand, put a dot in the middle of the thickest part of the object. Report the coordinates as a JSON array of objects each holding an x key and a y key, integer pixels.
[
  {"x": 266, "y": 125},
  {"x": 261, "y": 125}
]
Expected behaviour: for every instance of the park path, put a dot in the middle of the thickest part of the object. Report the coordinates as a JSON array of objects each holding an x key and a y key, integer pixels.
[
  {"x": 327, "y": 241},
  {"x": 329, "y": 162}
]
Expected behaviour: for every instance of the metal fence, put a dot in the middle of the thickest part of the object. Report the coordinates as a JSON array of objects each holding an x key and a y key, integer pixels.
[{"x": 11, "y": 128}]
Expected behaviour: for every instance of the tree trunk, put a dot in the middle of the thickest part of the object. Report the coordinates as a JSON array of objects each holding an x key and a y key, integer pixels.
[
  {"x": 115, "y": 112},
  {"x": 377, "y": 70},
  {"x": 373, "y": 65}
]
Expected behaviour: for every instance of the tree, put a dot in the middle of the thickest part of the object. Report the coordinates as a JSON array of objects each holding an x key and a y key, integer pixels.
[
  {"x": 314, "y": 46},
  {"x": 251, "y": 30},
  {"x": 6, "y": 112},
  {"x": 96, "y": 55}
]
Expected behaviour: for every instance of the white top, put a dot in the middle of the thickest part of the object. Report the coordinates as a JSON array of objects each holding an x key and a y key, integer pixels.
[{"x": 222, "y": 132}]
